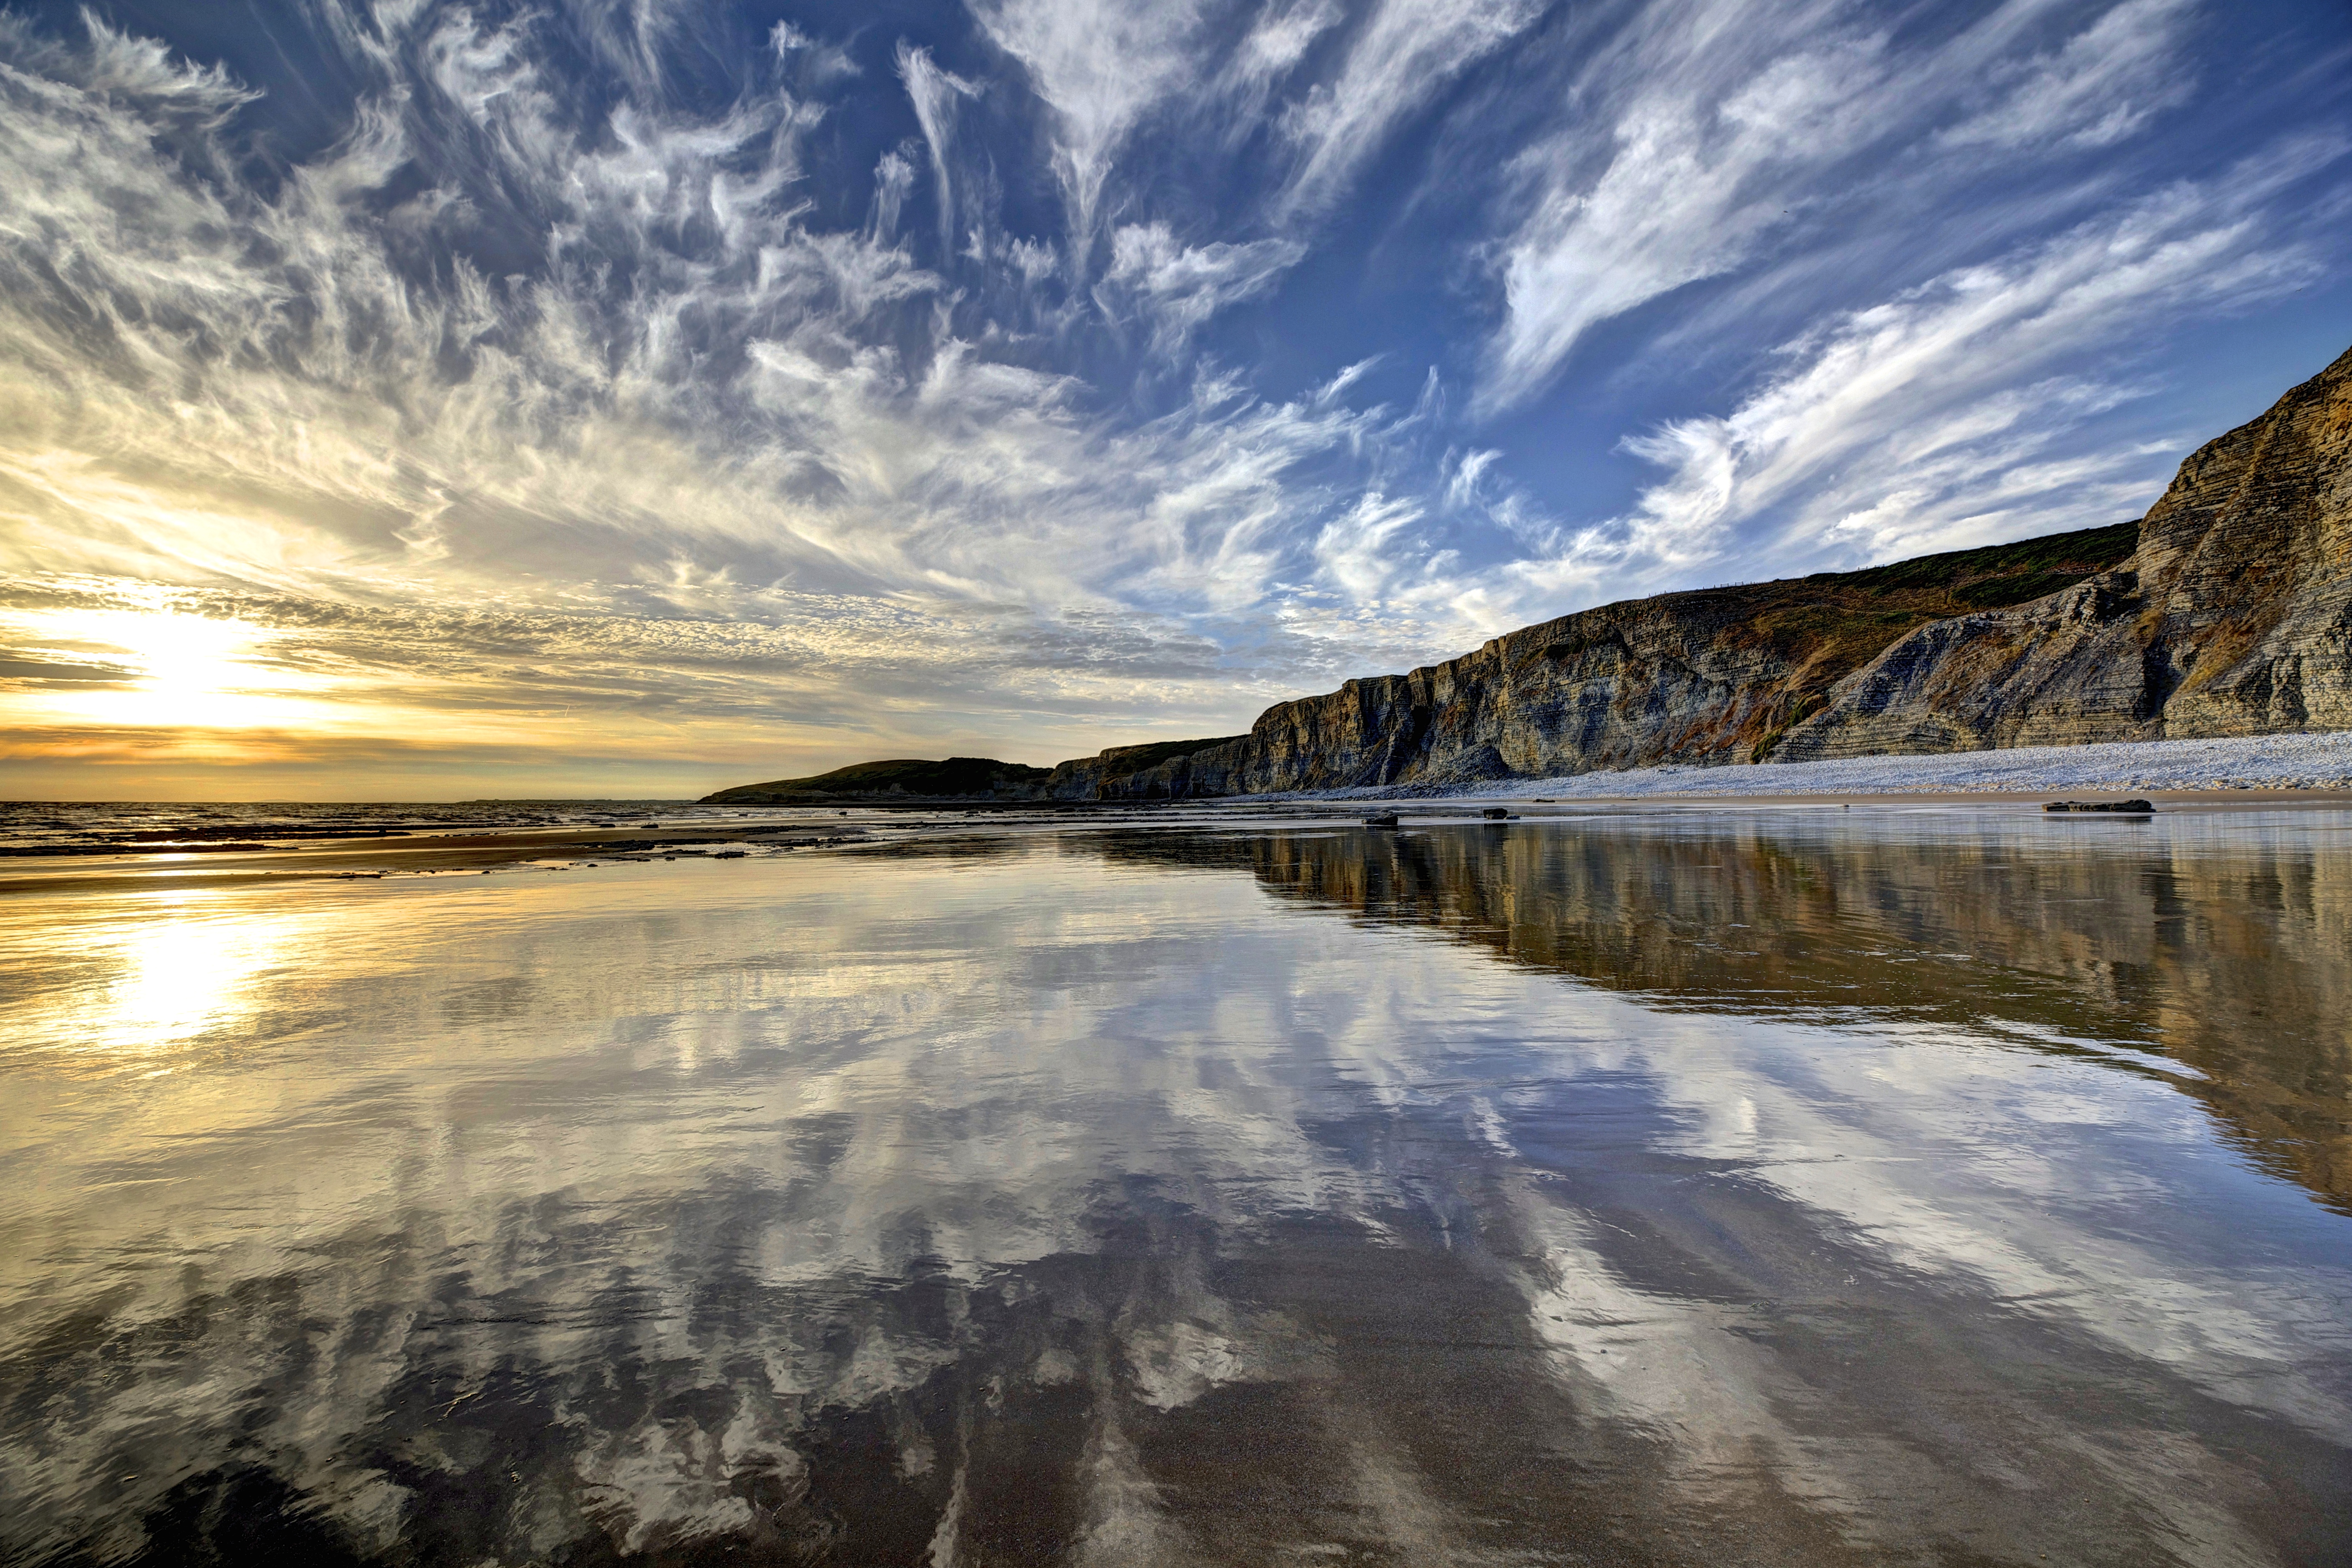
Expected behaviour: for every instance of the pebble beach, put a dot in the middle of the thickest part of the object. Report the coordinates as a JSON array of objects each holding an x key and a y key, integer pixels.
[{"x": 2322, "y": 761}]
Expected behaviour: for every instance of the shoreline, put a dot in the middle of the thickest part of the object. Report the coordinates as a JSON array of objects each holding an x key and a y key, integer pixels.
[
  {"x": 376, "y": 858},
  {"x": 2266, "y": 773}
]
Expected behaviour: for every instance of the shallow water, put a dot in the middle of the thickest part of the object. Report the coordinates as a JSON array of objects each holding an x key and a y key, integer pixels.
[{"x": 1778, "y": 1187}]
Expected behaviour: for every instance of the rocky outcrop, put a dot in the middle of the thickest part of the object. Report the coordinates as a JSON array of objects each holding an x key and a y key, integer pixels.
[
  {"x": 2233, "y": 616},
  {"x": 2226, "y": 611},
  {"x": 1715, "y": 676},
  {"x": 1162, "y": 771}
]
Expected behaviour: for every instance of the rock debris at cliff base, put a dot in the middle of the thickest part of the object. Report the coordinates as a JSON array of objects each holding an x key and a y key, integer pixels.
[{"x": 2248, "y": 762}]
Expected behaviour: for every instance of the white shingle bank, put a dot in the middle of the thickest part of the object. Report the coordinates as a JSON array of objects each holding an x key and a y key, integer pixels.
[{"x": 2254, "y": 761}]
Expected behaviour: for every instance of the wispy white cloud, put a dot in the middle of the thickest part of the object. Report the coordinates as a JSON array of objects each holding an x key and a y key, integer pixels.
[
  {"x": 1713, "y": 129},
  {"x": 1280, "y": 36},
  {"x": 703, "y": 409},
  {"x": 934, "y": 93},
  {"x": 1939, "y": 418},
  {"x": 632, "y": 365},
  {"x": 1177, "y": 289},
  {"x": 1101, "y": 65},
  {"x": 1403, "y": 55},
  {"x": 2094, "y": 90}
]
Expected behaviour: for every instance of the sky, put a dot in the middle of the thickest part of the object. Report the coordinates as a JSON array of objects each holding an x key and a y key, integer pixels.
[{"x": 401, "y": 399}]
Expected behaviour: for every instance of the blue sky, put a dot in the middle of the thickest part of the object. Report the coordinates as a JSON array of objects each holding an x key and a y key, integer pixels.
[{"x": 408, "y": 397}]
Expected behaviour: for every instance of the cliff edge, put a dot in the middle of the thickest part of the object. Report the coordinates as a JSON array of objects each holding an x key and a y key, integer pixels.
[
  {"x": 1718, "y": 675},
  {"x": 896, "y": 778},
  {"x": 2233, "y": 616}
]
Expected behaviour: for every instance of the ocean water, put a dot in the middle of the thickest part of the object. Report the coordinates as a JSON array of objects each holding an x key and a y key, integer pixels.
[
  {"x": 1778, "y": 1187},
  {"x": 47, "y": 829}
]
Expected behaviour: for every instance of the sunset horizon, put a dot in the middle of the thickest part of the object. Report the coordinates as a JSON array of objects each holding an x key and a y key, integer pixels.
[{"x": 426, "y": 401}]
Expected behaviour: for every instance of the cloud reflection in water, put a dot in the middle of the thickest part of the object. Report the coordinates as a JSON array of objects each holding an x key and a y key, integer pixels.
[{"x": 1177, "y": 1199}]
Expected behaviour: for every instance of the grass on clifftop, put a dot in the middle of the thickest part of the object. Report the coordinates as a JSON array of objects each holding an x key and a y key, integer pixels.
[
  {"x": 1838, "y": 621},
  {"x": 1833, "y": 623},
  {"x": 2001, "y": 575},
  {"x": 1120, "y": 761}
]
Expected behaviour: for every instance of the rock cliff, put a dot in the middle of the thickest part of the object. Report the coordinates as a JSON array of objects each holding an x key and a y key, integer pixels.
[
  {"x": 1715, "y": 676},
  {"x": 2233, "y": 617},
  {"x": 2226, "y": 611}
]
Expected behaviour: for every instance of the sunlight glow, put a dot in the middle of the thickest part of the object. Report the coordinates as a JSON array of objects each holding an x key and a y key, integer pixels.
[
  {"x": 179, "y": 670},
  {"x": 180, "y": 973}
]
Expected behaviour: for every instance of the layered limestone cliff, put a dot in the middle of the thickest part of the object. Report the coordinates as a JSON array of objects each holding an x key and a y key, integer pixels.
[
  {"x": 2227, "y": 611},
  {"x": 2233, "y": 617},
  {"x": 1159, "y": 772},
  {"x": 1715, "y": 676}
]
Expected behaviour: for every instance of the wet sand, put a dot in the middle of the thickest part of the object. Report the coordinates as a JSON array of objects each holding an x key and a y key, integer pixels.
[
  {"x": 805, "y": 830},
  {"x": 1653, "y": 1186}
]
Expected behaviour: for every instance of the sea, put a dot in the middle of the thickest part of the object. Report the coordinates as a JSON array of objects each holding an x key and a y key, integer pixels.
[
  {"x": 1771, "y": 1185},
  {"x": 76, "y": 828}
]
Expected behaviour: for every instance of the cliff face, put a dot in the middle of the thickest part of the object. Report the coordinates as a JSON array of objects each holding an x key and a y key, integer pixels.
[
  {"x": 1159, "y": 772},
  {"x": 2233, "y": 617},
  {"x": 1715, "y": 676},
  {"x": 2226, "y": 611}
]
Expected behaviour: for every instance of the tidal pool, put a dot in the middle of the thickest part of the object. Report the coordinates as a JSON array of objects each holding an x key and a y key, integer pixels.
[{"x": 1773, "y": 1186}]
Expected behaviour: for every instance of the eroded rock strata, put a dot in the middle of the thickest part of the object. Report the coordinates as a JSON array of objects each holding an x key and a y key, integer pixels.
[
  {"x": 1715, "y": 676},
  {"x": 2226, "y": 611},
  {"x": 2233, "y": 617}
]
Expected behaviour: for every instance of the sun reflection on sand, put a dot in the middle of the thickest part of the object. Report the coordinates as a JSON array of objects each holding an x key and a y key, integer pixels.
[{"x": 182, "y": 974}]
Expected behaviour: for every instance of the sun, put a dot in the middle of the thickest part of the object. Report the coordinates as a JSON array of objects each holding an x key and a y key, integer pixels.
[{"x": 159, "y": 669}]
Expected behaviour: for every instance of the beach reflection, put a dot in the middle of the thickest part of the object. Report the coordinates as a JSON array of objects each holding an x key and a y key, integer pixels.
[
  {"x": 1788, "y": 1192},
  {"x": 2217, "y": 948}
]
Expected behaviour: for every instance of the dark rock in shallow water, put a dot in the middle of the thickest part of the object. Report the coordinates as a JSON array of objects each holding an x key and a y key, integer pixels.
[
  {"x": 2132, "y": 807},
  {"x": 1495, "y": 813},
  {"x": 1381, "y": 819}
]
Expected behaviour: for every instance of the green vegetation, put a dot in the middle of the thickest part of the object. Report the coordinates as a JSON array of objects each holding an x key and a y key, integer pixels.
[
  {"x": 1837, "y": 621},
  {"x": 957, "y": 777},
  {"x": 1833, "y": 623},
  {"x": 2001, "y": 575}
]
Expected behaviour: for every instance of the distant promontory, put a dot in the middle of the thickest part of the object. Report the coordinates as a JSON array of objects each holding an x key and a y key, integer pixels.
[{"x": 956, "y": 778}]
